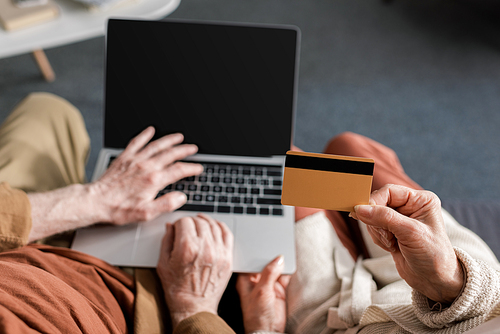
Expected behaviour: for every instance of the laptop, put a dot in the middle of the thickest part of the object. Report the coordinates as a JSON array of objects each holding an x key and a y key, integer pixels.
[{"x": 230, "y": 89}]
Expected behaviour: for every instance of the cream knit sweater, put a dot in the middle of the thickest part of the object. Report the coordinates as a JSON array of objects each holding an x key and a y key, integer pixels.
[{"x": 330, "y": 293}]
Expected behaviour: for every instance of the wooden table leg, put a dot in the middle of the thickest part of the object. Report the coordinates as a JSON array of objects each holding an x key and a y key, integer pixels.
[{"x": 44, "y": 65}]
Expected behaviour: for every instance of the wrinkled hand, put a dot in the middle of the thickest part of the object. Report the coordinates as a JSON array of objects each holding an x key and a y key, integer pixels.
[
  {"x": 409, "y": 224},
  {"x": 263, "y": 298},
  {"x": 195, "y": 265},
  {"x": 127, "y": 190}
]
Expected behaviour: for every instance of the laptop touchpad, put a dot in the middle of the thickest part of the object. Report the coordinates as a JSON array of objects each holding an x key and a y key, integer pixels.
[
  {"x": 96, "y": 241},
  {"x": 257, "y": 242}
]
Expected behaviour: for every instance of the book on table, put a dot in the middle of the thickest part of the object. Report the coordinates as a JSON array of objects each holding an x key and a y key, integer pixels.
[{"x": 13, "y": 17}]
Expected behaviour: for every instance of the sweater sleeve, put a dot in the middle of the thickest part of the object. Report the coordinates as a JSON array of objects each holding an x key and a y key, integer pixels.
[
  {"x": 479, "y": 299},
  {"x": 203, "y": 323},
  {"x": 15, "y": 218}
]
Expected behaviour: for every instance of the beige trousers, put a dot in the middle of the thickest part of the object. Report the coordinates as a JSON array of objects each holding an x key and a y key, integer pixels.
[{"x": 43, "y": 144}]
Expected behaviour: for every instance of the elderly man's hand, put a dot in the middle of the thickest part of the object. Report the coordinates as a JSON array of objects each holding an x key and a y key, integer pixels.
[
  {"x": 409, "y": 224},
  {"x": 127, "y": 190},
  {"x": 195, "y": 265},
  {"x": 125, "y": 193}
]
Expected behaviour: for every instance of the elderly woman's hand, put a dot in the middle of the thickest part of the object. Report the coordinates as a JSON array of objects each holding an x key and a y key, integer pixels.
[
  {"x": 195, "y": 265},
  {"x": 409, "y": 224},
  {"x": 263, "y": 298}
]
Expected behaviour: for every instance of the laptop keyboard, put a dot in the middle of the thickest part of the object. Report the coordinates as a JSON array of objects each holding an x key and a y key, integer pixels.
[{"x": 233, "y": 188}]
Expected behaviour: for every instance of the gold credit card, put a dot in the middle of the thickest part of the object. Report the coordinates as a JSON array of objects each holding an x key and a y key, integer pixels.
[{"x": 326, "y": 181}]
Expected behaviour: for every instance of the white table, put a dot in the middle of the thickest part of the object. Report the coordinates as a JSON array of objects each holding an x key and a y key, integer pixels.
[{"x": 75, "y": 24}]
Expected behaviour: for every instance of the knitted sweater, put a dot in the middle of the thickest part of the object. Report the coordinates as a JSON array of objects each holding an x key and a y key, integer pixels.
[{"x": 331, "y": 293}]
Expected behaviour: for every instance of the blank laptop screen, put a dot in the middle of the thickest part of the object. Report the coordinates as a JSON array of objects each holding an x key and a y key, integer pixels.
[{"x": 230, "y": 89}]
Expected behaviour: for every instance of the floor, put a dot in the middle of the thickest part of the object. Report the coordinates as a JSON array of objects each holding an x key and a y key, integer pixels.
[{"x": 422, "y": 77}]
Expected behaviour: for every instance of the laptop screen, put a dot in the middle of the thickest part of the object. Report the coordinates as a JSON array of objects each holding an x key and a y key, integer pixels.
[{"x": 228, "y": 88}]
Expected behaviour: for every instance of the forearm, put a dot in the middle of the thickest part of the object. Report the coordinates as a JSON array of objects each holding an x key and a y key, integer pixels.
[{"x": 64, "y": 209}]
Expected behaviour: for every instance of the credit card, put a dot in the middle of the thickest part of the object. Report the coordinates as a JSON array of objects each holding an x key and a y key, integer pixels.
[{"x": 326, "y": 181}]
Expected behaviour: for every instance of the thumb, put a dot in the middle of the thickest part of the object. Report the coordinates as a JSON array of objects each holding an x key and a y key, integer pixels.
[
  {"x": 244, "y": 284},
  {"x": 382, "y": 217},
  {"x": 169, "y": 202},
  {"x": 167, "y": 243},
  {"x": 271, "y": 273}
]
